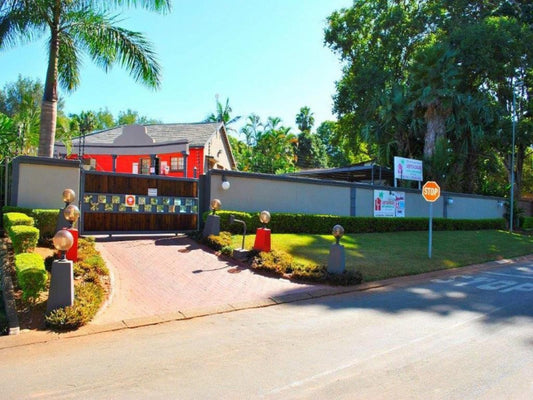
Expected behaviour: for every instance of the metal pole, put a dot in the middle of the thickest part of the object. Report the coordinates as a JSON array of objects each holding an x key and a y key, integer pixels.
[
  {"x": 511, "y": 206},
  {"x": 430, "y": 228}
]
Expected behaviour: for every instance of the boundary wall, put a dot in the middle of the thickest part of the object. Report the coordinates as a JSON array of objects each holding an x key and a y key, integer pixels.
[{"x": 280, "y": 193}]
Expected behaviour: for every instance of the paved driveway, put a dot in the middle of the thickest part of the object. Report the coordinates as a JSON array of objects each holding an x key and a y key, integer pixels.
[{"x": 159, "y": 276}]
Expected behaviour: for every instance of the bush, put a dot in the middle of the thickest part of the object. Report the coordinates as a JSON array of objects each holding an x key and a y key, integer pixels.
[
  {"x": 31, "y": 274},
  {"x": 218, "y": 242},
  {"x": 45, "y": 221},
  {"x": 24, "y": 238},
  {"x": 15, "y": 218},
  {"x": 322, "y": 224},
  {"x": 87, "y": 300},
  {"x": 526, "y": 222},
  {"x": 273, "y": 261}
]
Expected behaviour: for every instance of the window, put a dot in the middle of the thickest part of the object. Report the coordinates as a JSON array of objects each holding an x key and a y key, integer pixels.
[
  {"x": 176, "y": 163},
  {"x": 145, "y": 166}
]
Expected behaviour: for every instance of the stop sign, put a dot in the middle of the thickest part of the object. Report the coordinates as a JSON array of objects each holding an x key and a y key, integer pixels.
[{"x": 431, "y": 191}]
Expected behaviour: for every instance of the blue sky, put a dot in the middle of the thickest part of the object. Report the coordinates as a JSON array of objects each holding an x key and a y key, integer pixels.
[{"x": 267, "y": 57}]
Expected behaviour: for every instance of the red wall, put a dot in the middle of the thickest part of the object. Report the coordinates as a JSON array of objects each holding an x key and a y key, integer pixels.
[{"x": 124, "y": 164}]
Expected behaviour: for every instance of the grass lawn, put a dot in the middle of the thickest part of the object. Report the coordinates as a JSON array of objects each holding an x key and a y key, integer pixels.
[{"x": 385, "y": 255}]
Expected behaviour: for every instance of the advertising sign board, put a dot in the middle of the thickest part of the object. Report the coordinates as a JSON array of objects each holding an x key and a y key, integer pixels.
[
  {"x": 389, "y": 204},
  {"x": 407, "y": 168}
]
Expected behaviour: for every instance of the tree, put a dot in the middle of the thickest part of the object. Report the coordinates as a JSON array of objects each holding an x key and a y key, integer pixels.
[
  {"x": 336, "y": 151},
  {"x": 432, "y": 80},
  {"x": 73, "y": 26},
  {"x": 223, "y": 114},
  {"x": 305, "y": 119},
  {"x": 130, "y": 117}
]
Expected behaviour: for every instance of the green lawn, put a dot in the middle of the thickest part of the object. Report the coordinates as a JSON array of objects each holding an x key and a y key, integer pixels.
[{"x": 384, "y": 255}]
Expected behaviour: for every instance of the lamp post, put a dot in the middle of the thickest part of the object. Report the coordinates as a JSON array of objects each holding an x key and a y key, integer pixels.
[
  {"x": 212, "y": 223},
  {"x": 511, "y": 206},
  {"x": 337, "y": 258},
  {"x": 262, "y": 235},
  {"x": 61, "y": 292}
]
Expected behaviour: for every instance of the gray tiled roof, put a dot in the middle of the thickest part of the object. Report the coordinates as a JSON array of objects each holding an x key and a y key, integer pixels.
[{"x": 196, "y": 133}]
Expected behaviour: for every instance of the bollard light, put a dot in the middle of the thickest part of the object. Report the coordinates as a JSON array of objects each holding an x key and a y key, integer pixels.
[
  {"x": 63, "y": 241},
  {"x": 71, "y": 213},
  {"x": 264, "y": 217},
  {"x": 68, "y": 196},
  {"x": 215, "y": 205},
  {"x": 337, "y": 232}
]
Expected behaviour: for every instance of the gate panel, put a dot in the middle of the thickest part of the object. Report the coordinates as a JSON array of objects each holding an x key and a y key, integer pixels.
[{"x": 123, "y": 203}]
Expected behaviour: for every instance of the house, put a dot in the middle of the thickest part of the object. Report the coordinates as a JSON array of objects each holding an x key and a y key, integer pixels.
[{"x": 180, "y": 150}]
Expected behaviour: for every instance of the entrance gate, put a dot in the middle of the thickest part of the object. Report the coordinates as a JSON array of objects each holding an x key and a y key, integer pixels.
[{"x": 123, "y": 203}]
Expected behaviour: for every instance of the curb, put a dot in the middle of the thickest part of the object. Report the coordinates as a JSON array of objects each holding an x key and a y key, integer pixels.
[{"x": 28, "y": 338}]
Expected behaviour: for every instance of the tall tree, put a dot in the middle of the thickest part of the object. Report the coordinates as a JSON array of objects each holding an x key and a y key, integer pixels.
[
  {"x": 74, "y": 26},
  {"x": 223, "y": 114},
  {"x": 305, "y": 119}
]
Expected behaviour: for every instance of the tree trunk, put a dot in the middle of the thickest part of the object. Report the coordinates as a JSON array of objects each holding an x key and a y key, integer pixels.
[
  {"x": 47, "y": 129},
  {"x": 436, "y": 127}
]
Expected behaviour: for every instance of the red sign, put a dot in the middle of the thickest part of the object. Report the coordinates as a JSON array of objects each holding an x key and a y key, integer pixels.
[
  {"x": 129, "y": 200},
  {"x": 431, "y": 191}
]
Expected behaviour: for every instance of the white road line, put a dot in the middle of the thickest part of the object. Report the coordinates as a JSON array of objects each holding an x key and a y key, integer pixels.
[{"x": 510, "y": 275}]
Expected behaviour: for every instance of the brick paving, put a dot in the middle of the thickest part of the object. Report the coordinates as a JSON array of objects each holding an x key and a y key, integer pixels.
[{"x": 164, "y": 275}]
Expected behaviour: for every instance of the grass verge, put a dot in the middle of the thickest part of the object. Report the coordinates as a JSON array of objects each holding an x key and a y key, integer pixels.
[{"x": 386, "y": 255}]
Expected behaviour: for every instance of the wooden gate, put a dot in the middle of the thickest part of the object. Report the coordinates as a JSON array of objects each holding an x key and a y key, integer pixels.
[{"x": 122, "y": 203}]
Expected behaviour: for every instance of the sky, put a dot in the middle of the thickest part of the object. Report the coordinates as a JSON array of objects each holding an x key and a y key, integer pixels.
[{"x": 266, "y": 56}]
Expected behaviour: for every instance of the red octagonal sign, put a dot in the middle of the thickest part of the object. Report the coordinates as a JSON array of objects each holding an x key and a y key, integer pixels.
[{"x": 431, "y": 191}]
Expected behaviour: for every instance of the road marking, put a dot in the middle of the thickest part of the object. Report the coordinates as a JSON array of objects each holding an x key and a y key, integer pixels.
[{"x": 510, "y": 275}]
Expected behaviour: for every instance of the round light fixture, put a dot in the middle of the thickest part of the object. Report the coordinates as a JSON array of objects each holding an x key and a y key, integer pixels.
[
  {"x": 68, "y": 196},
  {"x": 71, "y": 213},
  {"x": 264, "y": 217},
  {"x": 63, "y": 240}
]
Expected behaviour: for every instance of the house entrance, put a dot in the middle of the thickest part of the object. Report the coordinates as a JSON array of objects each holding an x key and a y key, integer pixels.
[{"x": 123, "y": 203}]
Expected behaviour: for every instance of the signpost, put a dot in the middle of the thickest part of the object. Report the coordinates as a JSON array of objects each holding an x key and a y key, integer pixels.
[{"x": 431, "y": 193}]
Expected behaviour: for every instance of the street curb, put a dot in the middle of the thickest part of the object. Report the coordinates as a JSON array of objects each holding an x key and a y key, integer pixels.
[{"x": 28, "y": 338}]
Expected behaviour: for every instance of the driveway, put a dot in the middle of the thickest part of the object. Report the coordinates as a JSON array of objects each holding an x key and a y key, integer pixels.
[{"x": 160, "y": 276}]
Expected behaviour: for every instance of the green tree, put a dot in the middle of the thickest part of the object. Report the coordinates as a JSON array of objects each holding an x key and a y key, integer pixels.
[
  {"x": 223, "y": 114},
  {"x": 337, "y": 152},
  {"x": 130, "y": 117},
  {"x": 433, "y": 80},
  {"x": 74, "y": 26},
  {"x": 305, "y": 119}
]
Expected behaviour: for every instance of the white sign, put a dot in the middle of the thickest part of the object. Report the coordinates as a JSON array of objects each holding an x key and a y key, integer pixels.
[
  {"x": 407, "y": 168},
  {"x": 389, "y": 204},
  {"x": 152, "y": 191}
]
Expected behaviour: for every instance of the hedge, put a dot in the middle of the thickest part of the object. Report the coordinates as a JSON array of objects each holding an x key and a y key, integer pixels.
[
  {"x": 44, "y": 219},
  {"x": 31, "y": 274},
  {"x": 526, "y": 222},
  {"x": 16, "y": 218},
  {"x": 24, "y": 238},
  {"x": 322, "y": 224}
]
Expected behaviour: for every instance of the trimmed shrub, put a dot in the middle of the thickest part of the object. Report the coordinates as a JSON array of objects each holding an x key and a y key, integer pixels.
[
  {"x": 15, "y": 218},
  {"x": 87, "y": 300},
  {"x": 218, "y": 242},
  {"x": 31, "y": 274},
  {"x": 24, "y": 238},
  {"x": 275, "y": 261},
  {"x": 322, "y": 224},
  {"x": 45, "y": 221}
]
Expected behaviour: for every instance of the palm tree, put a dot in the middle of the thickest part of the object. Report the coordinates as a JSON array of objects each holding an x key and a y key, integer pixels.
[
  {"x": 223, "y": 114},
  {"x": 73, "y": 26},
  {"x": 305, "y": 119}
]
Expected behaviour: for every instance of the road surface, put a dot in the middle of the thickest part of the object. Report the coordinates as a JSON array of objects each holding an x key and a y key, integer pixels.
[{"x": 464, "y": 337}]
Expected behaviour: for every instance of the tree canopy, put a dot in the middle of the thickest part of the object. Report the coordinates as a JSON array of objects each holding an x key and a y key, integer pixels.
[{"x": 435, "y": 80}]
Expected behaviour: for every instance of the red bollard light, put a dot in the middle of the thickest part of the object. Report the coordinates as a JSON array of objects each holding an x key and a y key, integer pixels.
[
  {"x": 262, "y": 239},
  {"x": 72, "y": 253}
]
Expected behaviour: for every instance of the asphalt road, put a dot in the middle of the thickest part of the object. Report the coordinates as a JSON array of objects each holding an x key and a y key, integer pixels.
[{"x": 464, "y": 337}]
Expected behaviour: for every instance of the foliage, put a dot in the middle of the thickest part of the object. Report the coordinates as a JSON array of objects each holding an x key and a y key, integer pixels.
[
  {"x": 11, "y": 219},
  {"x": 275, "y": 261},
  {"x": 74, "y": 26},
  {"x": 45, "y": 221},
  {"x": 24, "y": 238},
  {"x": 322, "y": 224},
  {"x": 31, "y": 274},
  {"x": 435, "y": 81},
  {"x": 87, "y": 300},
  {"x": 223, "y": 114},
  {"x": 89, "y": 294},
  {"x": 526, "y": 223},
  {"x": 218, "y": 242}
]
